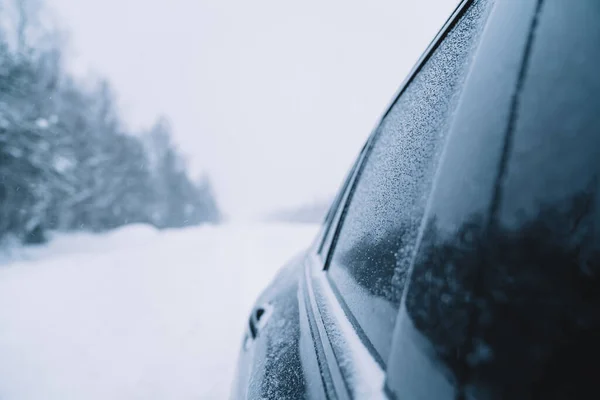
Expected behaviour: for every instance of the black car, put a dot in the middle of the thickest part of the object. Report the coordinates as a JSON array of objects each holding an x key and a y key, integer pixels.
[{"x": 461, "y": 257}]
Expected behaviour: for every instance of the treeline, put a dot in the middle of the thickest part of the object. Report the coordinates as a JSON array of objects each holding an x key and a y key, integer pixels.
[{"x": 67, "y": 161}]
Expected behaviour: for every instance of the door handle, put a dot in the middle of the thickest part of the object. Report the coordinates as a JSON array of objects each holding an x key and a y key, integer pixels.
[{"x": 258, "y": 319}]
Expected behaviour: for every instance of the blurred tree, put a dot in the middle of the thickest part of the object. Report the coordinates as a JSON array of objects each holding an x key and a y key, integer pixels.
[
  {"x": 66, "y": 160},
  {"x": 178, "y": 200}
]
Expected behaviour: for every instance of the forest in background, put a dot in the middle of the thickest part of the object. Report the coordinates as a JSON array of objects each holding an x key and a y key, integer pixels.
[{"x": 67, "y": 160}]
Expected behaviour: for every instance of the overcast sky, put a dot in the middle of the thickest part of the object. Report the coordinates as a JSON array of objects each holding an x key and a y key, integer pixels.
[{"x": 272, "y": 98}]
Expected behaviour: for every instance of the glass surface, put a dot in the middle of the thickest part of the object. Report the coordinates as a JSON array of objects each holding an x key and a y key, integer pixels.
[{"x": 538, "y": 314}]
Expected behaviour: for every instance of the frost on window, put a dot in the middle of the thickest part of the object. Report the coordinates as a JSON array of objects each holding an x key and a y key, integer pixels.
[{"x": 375, "y": 244}]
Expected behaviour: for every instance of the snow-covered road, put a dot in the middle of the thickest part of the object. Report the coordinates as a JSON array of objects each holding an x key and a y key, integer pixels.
[{"x": 135, "y": 314}]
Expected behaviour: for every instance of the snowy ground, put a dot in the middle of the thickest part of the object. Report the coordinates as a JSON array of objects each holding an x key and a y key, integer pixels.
[{"x": 135, "y": 314}]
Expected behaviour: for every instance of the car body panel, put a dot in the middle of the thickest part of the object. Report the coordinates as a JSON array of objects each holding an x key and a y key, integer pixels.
[{"x": 269, "y": 365}]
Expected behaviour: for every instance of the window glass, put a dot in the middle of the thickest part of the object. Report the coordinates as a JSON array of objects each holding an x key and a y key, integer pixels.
[
  {"x": 373, "y": 248},
  {"x": 538, "y": 331}
]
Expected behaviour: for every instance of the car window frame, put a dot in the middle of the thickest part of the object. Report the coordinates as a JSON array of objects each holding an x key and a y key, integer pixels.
[
  {"x": 338, "y": 206},
  {"x": 326, "y": 233}
]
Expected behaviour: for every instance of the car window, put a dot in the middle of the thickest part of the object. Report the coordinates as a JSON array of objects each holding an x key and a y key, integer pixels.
[
  {"x": 372, "y": 251},
  {"x": 539, "y": 316}
]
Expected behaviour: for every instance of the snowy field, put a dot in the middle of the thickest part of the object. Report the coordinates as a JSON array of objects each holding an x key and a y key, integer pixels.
[{"x": 136, "y": 313}]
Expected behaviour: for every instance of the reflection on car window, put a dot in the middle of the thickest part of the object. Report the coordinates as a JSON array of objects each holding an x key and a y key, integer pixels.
[
  {"x": 372, "y": 253},
  {"x": 538, "y": 331}
]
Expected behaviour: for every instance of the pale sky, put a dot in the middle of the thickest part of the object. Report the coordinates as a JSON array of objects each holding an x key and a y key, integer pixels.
[{"x": 272, "y": 98}]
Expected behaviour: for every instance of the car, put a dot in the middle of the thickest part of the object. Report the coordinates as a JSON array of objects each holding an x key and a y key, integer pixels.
[{"x": 461, "y": 256}]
